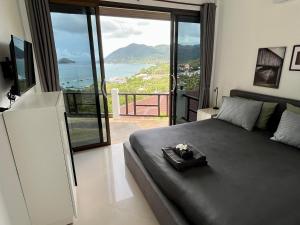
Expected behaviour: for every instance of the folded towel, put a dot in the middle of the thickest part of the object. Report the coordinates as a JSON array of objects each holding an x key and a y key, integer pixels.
[
  {"x": 198, "y": 159},
  {"x": 185, "y": 154}
]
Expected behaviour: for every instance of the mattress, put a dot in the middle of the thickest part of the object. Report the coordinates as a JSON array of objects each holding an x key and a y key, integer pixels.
[{"x": 249, "y": 180}]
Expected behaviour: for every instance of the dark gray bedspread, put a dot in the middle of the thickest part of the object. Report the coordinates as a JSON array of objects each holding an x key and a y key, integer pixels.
[{"x": 250, "y": 180}]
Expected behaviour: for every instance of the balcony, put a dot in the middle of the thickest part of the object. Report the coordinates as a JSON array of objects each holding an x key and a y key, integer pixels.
[{"x": 128, "y": 112}]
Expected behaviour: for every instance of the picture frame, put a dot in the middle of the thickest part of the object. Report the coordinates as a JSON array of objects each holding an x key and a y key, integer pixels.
[
  {"x": 295, "y": 60},
  {"x": 269, "y": 67}
]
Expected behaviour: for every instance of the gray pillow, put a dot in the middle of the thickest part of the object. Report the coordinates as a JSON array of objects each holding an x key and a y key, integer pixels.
[
  {"x": 292, "y": 108},
  {"x": 240, "y": 112},
  {"x": 288, "y": 131}
]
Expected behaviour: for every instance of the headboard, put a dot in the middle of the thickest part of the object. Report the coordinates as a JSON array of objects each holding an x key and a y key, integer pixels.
[{"x": 275, "y": 119}]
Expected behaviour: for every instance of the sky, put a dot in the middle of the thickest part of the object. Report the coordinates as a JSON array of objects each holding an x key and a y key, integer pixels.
[
  {"x": 71, "y": 34},
  {"x": 120, "y": 32}
]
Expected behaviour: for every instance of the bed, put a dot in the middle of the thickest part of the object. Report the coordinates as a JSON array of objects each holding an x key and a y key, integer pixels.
[{"x": 250, "y": 179}]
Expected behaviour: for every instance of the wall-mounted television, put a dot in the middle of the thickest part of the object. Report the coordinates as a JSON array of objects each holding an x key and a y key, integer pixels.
[{"x": 22, "y": 65}]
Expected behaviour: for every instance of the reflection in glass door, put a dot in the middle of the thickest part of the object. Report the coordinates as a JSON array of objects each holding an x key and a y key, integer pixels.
[
  {"x": 77, "y": 47},
  {"x": 185, "y": 69}
]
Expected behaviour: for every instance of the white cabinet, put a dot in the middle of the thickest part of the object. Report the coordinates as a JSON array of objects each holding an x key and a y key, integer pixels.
[
  {"x": 39, "y": 143},
  {"x": 13, "y": 209},
  {"x": 205, "y": 114}
]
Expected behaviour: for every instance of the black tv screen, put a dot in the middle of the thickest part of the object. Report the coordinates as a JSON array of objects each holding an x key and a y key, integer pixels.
[{"x": 23, "y": 67}]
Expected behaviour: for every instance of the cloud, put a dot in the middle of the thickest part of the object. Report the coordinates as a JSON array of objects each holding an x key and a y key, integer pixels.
[
  {"x": 69, "y": 23},
  {"x": 189, "y": 33},
  {"x": 114, "y": 28},
  {"x": 111, "y": 27},
  {"x": 124, "y": 32},
  {"x": 190, "y": 29},
  {"x": 143, "y": 23},
  {"x": 72, "y": 41},
  {"x": 108, "y": 26}
]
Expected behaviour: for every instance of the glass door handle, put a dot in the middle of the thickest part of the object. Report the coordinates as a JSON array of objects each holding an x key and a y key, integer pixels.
[
  {"x": 103, "y": 88},
  {"x": 174, "y": 83}
]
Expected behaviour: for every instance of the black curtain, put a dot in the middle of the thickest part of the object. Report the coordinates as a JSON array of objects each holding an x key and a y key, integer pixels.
[
  {"x": 43, "y": 42},
  {"x": 208, "y": 14}
]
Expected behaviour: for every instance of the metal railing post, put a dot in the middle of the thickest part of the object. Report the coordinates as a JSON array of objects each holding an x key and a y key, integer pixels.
[
  {"x": 75, "y": 102},
  {"x": 134, "y": 104},
  {"x": 167, "y": 100},
  {"x": 188, "y": 110},
  {"x": 158, "y": 105},
  {"x": 126, "y": 102}
]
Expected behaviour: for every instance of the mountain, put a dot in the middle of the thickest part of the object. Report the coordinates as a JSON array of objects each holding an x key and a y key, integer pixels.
[
  {"x": 65, "y": 61},
  {"x": 188, "y": 53},
  {"x": 139, "y": 53}
]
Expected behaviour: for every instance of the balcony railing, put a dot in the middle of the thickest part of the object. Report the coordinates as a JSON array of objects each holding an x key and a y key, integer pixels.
[
  {"x": 191, "y": 108},
  {"x": 83, "y": 104},
  {"x": 142, "y": 103},
  {"x": 80, "y": 104}
]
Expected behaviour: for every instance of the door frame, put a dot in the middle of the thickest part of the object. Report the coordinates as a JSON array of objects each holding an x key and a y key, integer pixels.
[
  {"x": 175, "y": 19},
  {"x": 89, "y": 12},
  {"x": 176, "y": 11},
  {"x": 175, "y": 14},
  {"x": 103, "y": 78}
]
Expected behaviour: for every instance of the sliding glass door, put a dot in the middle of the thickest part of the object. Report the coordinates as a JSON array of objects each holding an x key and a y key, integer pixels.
[
  {"x": 185, "y": 68},
  {"x": 77, "y": 36}
]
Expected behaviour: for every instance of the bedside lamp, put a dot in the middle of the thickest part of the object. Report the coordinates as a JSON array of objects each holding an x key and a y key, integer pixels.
[{"x": 217, "y": 95}]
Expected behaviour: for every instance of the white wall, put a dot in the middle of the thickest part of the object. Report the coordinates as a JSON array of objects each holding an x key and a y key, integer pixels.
[
  {"x": 12, "y": 21},
  {"x": 243, "y": 27},
  {"x": 12, "y": 204}
]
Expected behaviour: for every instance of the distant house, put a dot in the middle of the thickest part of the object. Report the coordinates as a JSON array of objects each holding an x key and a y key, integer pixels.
[{"x": 119, "y": 80}]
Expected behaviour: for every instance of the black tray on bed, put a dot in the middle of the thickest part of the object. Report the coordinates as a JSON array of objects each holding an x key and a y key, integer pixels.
[{"x": 198, "y": 159}]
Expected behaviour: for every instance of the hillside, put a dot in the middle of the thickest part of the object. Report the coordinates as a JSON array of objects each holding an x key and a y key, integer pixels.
[
  {"x": 188, "y": 53},
  {"x": 139, "y": 53}
]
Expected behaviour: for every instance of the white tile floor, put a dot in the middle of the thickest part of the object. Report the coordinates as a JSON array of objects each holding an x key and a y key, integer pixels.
[{"x": 107, "y": 192}]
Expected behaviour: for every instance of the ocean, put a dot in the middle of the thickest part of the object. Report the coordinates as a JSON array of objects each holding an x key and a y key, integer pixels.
[{"x": 78, "y": 76}]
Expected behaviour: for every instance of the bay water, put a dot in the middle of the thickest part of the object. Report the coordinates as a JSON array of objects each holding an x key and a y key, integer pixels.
[{"x": 79, "y": 75}]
